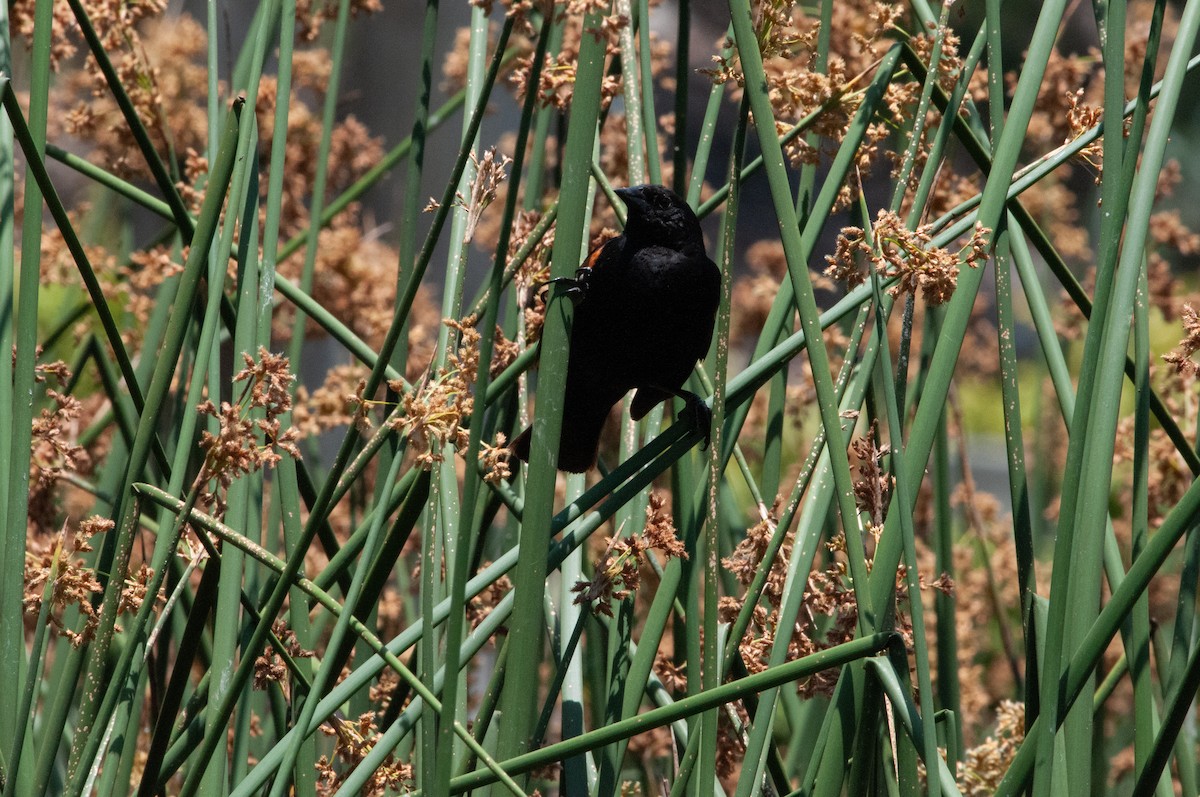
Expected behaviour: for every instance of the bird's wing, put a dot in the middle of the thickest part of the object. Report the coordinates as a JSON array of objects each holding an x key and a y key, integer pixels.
[{"x": 604, "y": 254}]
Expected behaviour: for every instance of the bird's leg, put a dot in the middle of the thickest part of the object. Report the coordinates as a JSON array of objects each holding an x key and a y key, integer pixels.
[
  {"x": 700, "y": 414},
  {"x": 577, "y": 286}
]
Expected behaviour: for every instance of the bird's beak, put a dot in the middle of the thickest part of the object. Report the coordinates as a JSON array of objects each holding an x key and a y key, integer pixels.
[{"x": 632, "y": 199}]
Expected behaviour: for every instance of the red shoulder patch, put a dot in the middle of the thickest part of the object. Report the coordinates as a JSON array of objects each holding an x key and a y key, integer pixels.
[
  {"x": 593, "y": 258},
  {"x": 601, "y": 250}
]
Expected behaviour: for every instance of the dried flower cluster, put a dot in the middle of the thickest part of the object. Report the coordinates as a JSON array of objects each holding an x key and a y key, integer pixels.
[
  {"x": 985, "y": 765},
  {"x": 1069, "y": 102},
  {"x": 489, "y": 176},
  {"x": 490, "y": 173},
  {"x": 54, "y": 447},
  {"x": 57, "y": 572},
  {"x": 829, "y": 613},
  {"x": 556, "y": 86},
  {"x": 352, "y": 742},
  {"x": 269, "y": 667},
  {"x": 873, "y": 487},
  {"x": 827, "y": 619},
  {"x": 1180, "y": 358},
  {"x": 799, "y": 87},
  {"x": 479, "y": 607},
  {"x": 618, "y": 575},
  {"x": 436, "y": 412},
  {"x": 236, "y": 449},
  {"x": 312, "y": 14},
  {"x": 907, "y": 256}
]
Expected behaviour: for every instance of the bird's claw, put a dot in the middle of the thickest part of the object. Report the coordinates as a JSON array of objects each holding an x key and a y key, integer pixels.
[{"x": 577, "y": 286}]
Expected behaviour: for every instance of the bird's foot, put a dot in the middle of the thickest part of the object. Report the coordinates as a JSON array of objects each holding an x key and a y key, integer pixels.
[
  {"x": 576, "y": 287},
  {"x": 699, "y": 414}
]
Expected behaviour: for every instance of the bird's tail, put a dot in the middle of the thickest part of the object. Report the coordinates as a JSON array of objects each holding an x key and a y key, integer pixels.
[{"x": 579, "y": 442}]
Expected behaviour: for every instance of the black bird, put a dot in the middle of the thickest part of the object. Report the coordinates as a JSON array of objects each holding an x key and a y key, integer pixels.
[{"x": 645, "y": 305}]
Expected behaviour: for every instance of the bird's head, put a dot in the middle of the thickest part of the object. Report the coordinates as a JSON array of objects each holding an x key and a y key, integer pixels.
[{"x": 657, "y": 216}]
